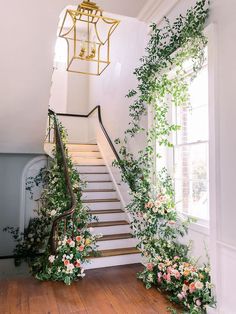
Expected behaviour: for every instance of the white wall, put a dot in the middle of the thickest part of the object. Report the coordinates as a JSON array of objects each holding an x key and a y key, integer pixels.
[
  {"x": 28, "y": 38},
  {"x": 109, "y": 90},
  {"x": 223, "y": 213}
]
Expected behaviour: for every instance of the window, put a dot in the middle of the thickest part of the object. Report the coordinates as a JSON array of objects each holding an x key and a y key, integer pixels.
[{"x": 191, "y": 146}]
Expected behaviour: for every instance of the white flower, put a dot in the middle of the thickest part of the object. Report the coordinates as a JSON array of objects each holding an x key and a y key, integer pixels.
[
  {"x": 145, "y": 216},
  {"x": 63, "y": 257},
  {"x": 70, "y": 267},
  {"x": 72, "y": 244},
  {"x": 150, "y": 278},
  {"x": 199, "y": 285},
  {"x": 209, "y": 285},
  {"x": 64, "y": 241},
  {"x": 53, "y": 213},
  {"x": 71, "y": 256},
  {"x": 155, "y": 209},
  {"x": 185, "y": 288},
  {"x": 30, "y": 235},
  {"x": 51, "y": 258}
]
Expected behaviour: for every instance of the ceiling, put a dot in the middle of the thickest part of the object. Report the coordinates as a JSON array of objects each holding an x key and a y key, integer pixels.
[{"x": 123, "y": 7}]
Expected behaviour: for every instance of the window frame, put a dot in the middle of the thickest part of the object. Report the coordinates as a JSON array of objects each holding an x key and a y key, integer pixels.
[{"x": 201, "y": 225}]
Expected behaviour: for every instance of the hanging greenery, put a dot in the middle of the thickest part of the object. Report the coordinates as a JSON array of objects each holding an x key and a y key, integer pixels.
[
  {"x": 33, "y": 245},
  {"x": 162, "y": 83}
]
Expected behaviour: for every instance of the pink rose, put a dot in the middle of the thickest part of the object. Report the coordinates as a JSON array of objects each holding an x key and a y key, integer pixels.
[
  {"x": 78, "y": 238},
  {"x": 81, "y": 248},
  {"x": 180, "y": 297},
  {"x": 168, "y": 278},
  {"x": 66, "y": 262},
  {"x": 149, "y": 266},
  {"x": 192, "y": 287},
  {"x": 198, "y": 302},
  {"x": 149, "y": 205},
  {"x": 169, "y": 270}
]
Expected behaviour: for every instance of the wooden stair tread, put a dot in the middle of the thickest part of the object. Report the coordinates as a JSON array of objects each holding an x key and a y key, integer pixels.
[
  {"x": 99, "y": 190},
  {"x": 91, "y": 165},
  {"x": 80, "y": 144},
  {"x": 120, "y": 236},
  {"x": 98, "y": 181},
  {"x": 116, "y": 252},
  {"x": 106, "y": 211},
  {"x": 85, "y": 151},
  {"x": 94, "y": 172},
  {"x": 107, "y": 200},
  {"x": 109, "y": 223}
]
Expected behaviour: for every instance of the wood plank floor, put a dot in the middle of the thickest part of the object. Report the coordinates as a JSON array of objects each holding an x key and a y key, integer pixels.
[{"x": 102, "y": 291}]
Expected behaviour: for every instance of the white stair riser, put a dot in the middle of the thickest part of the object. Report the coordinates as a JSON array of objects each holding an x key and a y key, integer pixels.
[
  {"x": 91, "y": 169},
  {"x": 81, "y": 148},
  {"x": 117, "y": 244},
  {"x": 98, "y": 195},
  {"x": 111, "y": 230},
  {"x": 85, "y": 154},
  {"x": 101, "y": 262},
  {"x": 95, "y": 177},
  {"x": 112, "y": 217},
  {"x": 103, "y": 206},
  {"x": 87, "y": 161},
  {"x": 99, "y": 185}
]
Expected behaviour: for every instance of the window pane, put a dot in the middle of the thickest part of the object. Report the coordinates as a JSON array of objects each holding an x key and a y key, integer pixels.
[
  {"x": 191, "y": 175},
  {"x": 194, "y": 125},
  {"x": 191, "y": 162},
  {"x": 194, "y": 120},
  {"x": 192, "y": 197}
]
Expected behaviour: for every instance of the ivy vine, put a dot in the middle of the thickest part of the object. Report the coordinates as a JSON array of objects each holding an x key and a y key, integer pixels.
[
  {"x": 163, "y": 82},
  {"x": 75, "y": 241}
]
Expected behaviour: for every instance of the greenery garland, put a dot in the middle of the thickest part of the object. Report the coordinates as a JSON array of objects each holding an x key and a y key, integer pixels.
[
  {"x": 33, "y": 245},
  {"x": 155, "y": 222}
]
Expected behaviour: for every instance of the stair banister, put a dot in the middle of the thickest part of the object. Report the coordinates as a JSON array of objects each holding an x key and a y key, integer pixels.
[
  {"x": 98, "y": 108},
  {"x": 73, "y": 203}
]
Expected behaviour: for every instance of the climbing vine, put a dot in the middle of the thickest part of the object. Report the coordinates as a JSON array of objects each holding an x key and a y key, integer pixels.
[
  {"x": 33, "y": 244},
  {"x": 163, "y": 82}
]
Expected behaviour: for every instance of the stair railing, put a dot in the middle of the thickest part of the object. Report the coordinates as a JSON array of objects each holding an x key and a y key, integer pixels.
[
  {"x": 98, "y": 108},
  {"x": 57, "y": 140}
]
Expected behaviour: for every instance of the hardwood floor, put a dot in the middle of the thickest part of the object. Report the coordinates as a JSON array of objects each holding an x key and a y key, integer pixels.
[{"x": 102, "y": 291}]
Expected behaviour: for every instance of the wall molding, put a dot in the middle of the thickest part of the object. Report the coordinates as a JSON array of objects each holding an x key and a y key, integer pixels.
[
  {"x": 226, "y": 245},
  {"x": 155, "y": 10},
  {"x": 23, "y": 194}
]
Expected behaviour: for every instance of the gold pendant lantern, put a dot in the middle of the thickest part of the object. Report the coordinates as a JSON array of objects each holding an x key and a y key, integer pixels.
[{"x": 88, "y": 34}]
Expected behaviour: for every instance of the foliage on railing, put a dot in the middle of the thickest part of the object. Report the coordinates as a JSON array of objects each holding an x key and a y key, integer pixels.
[
  {"x": 74, "y": 239},
  {"x": 163, "y": 82}
]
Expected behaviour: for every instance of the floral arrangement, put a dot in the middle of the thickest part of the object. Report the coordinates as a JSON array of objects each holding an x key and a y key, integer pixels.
[
  {"x": 186, "y": 283},
  {"x": 75, "y": 241},
  {"x": 162, "y": 83}
]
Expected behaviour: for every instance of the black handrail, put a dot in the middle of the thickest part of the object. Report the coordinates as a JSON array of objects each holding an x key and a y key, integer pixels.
[
  {"x": 73, "y": 202},
  {"x": 100, "y": 122}
]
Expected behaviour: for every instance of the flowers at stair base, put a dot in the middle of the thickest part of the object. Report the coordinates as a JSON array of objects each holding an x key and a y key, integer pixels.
[
  {"x": 68, "y": 263},
  {"x": 185, "y": 283},
  {"x": 74, "y": 238}
]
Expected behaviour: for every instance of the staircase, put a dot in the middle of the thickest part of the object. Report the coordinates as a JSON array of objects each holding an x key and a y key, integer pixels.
[{"x": 117, "y": 245}]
